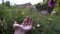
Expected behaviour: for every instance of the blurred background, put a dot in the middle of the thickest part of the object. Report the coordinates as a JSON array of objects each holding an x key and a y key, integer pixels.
[{"x": 46, "y": 16}]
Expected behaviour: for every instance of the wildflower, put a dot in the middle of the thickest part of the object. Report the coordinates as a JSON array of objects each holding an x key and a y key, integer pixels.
[
  {"x": 54, "y": 12},
  {"x": 51, "y": 3},
  {"x": 50, "y": 19},
  {"x": 38, "y": 25}
]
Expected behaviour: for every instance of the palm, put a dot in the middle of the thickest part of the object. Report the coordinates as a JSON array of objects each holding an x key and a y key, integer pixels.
[{"x": 26, "y": 25}]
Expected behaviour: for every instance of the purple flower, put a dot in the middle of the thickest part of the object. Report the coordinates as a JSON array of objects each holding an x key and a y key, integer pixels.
[{"x": 51, "y": 3}]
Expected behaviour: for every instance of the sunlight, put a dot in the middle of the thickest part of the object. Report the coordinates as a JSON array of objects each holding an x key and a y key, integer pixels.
[{"x": 25, "y": 1}]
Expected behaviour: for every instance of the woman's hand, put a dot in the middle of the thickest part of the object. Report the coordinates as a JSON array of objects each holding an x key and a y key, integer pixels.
[{"x": 25, "y": 26}]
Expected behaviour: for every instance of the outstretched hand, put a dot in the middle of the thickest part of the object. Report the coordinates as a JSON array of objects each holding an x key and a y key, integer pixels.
[
  {"x": 25, "y": 26},
  {"x": 27, "y": 23}
]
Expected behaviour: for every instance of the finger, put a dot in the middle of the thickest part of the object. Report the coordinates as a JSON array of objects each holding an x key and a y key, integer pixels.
[
  {"x": 29, "y": 22},
  {"x": 32, "y": 23},
  {"x": 24, "y": 21},
  {"x": 27, "y": 19}
]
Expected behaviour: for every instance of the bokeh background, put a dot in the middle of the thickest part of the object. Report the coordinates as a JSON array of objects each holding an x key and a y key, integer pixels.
[{"x": 46, "y": 16}]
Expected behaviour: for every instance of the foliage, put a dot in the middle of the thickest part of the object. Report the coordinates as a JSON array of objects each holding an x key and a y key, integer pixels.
[
  {"x": 43, "y": 6},
  {"x": 48, "y": 24},
  {"x": 44, "y": 2},
  {"x": 57, "y": 7}
]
